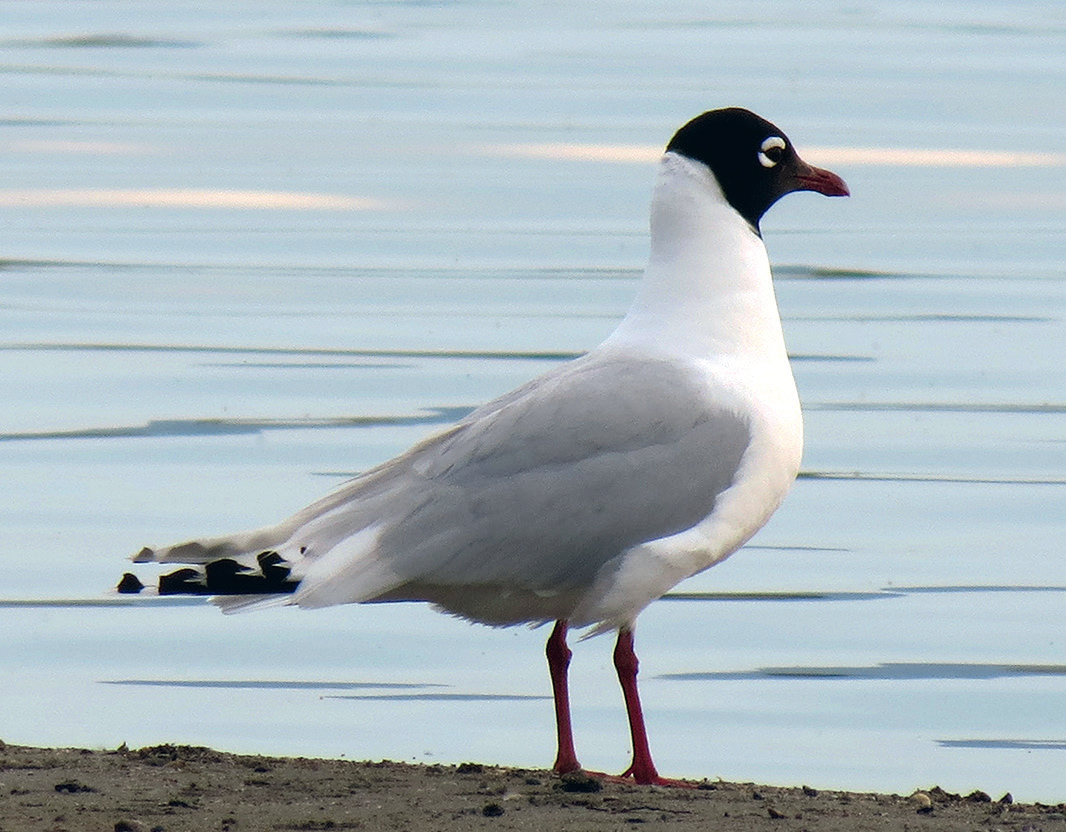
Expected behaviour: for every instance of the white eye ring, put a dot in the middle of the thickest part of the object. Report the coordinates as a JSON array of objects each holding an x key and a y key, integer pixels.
[{"x": 772, "y": 143}]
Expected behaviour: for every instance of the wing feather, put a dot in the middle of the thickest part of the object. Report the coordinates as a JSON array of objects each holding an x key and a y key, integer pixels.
[{"x": 537, "y": 490}]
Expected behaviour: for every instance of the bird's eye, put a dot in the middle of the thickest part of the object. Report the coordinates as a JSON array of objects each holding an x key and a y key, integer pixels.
[{"x": 771, "y": 151}]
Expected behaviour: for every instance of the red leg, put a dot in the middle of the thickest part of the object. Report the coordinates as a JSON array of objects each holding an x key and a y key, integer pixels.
[
  {"x": 642, "y": 769},
  {"x": 558, "y": 663}
]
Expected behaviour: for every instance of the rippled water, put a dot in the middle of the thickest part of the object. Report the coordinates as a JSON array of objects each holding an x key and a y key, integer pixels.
[{"x": 248, "y": 250}]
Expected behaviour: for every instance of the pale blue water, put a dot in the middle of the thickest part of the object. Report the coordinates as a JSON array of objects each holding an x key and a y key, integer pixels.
[{"x": 169, "y": 369}]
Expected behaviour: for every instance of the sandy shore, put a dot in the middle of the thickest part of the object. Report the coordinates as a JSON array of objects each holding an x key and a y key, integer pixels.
[{"x": 175, "y": 788}]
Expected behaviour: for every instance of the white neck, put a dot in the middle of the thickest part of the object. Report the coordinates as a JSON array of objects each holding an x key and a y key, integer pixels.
[{"x": 707, "y": 291}]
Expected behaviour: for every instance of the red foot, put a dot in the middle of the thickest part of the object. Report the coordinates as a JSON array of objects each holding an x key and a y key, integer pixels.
[
  {"x": 628, "y": 777},
  {"x": 565, "y": 766},
  {"x": 648, "y": 776},
  {"x": 662, "y": 781}
]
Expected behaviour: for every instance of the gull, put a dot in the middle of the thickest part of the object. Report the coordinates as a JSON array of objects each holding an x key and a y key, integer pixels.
[{"x": 587, "y": 493}]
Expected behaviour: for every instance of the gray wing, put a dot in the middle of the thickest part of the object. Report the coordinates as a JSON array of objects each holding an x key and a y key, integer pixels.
[{"x": 538, "y": 489}]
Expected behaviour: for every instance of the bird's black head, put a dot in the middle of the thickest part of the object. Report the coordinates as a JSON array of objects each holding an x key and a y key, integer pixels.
[{"x": 753, "y": 161}]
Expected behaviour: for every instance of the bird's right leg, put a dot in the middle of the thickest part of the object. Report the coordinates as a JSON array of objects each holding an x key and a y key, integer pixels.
[{"x": 558, "y": 664}]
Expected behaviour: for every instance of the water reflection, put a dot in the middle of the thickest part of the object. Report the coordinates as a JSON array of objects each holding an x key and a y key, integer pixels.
[
  {"x": 269, "y": 684},
  {"x": 937, "y": 478},
  {"x": 101, "y": 41},
  {"x": 1019, "y": 745},
  {"x": 227, "y": 427},
  {"x": 133, "y": 349},
  {"x": 446, "y": 697},
  {"x": 780, "y": 596},
  {"x": 889, "y": 671},
  {"x": 110, "y": 601}
]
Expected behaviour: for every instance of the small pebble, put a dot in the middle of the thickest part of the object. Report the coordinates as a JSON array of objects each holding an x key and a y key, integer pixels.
[
  {"x": 73, "y": 787},
  {"x": 579, "y": 781}
]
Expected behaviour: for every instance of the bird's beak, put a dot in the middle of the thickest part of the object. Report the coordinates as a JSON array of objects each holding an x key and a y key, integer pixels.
[{"x": 810, "y": 178}]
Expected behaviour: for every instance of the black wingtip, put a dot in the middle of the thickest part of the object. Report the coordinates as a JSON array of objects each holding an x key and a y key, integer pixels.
[
  {"x": 130, "y": 584},
  {"x": 224, "y": 576},
  {"x": 184, "y": 581}
]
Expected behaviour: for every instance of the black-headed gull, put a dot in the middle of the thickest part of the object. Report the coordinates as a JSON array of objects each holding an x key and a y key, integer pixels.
[{"x": 587, "y": 493}]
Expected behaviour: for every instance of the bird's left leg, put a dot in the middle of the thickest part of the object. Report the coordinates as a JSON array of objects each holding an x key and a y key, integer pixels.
[{"x": 642, "y": 769}]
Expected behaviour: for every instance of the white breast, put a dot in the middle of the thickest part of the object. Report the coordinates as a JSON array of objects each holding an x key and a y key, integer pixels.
[{"x": 708, "y": 301}]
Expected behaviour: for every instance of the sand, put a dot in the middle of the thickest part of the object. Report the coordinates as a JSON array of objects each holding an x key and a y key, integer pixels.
[{"x": 174, "y": 788}]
